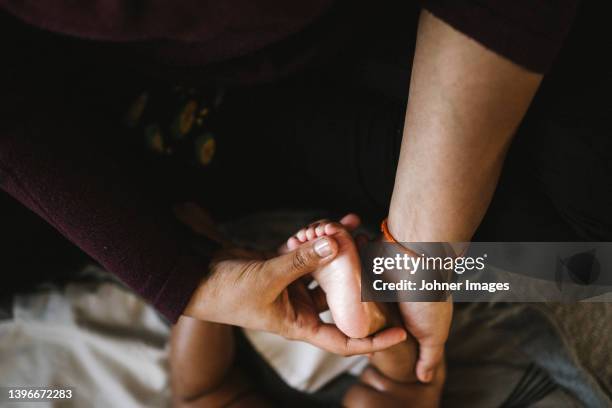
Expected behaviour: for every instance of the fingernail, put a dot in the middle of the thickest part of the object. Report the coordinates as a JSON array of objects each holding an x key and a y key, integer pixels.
[
  {"x": 428, "y": 376},
  {"x": 322, "y": 248}
]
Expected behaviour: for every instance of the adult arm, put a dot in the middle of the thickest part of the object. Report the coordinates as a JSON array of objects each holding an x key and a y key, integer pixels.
[
  {"x": 465, "y": 104},
  {"x": 53, "y": 160}
]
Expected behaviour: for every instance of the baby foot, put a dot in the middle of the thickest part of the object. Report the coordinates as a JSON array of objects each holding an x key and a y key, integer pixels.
[{"x": 341, "y": 281}]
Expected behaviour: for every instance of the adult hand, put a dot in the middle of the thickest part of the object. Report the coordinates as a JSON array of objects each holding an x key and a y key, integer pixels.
[
  {"x": 250, "y": 290},
  {"x": 429, "y": 323}
]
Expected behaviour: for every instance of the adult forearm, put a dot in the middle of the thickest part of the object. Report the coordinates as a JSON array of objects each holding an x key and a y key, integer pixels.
[{"x": 464, "y": 106}]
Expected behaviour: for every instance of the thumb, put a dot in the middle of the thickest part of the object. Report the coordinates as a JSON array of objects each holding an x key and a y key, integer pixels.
[
  {"x": 286, "y": 269},
  {"x": 430, "y": 358}
]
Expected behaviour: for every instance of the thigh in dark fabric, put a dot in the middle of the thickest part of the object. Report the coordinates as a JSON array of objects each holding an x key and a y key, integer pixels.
[
  {"x": 574, "y": 166},
  {"x": 310, "y": 146}
]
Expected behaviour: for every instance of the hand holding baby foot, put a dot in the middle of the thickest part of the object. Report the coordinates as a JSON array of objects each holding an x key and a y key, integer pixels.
[
  {"x": 340, "y": 279},
  {"x": 429, "y": 323},
  {"x": 252, "y": 290}
]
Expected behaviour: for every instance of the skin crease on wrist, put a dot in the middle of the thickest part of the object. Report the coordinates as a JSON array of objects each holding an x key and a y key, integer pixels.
[{"x": 465, "y": 104}]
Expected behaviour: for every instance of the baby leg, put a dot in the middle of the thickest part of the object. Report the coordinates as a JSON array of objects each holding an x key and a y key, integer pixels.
[
  {"x": 391, "y": 379},
  {"x": 398, "y": 362},
  {"x": 202, "y": 369},
  {"x": 376, "y": 390}
]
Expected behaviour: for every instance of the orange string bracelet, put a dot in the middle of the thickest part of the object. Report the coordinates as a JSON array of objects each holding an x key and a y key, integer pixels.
[{"x": 384, "y": 228}]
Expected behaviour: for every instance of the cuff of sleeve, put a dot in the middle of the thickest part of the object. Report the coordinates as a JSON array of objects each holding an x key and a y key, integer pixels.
[
  {"x": 507, "y": 34},
  {"x": 178, "y": 288}
]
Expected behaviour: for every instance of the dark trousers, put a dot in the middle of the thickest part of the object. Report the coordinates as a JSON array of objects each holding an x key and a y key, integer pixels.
[{"x": 335, "y": 147}]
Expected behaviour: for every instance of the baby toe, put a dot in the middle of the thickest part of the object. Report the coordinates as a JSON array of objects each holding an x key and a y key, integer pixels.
[
  {"x": 320, "y": 230},
  {"x": 293, "y": 243},
  {"x": 310, "y": 233},
  {"x": 351, "y": 221},
  {"x": 332, "y": 228}
]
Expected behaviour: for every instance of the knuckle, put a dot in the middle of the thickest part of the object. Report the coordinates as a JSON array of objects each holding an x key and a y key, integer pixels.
[
  {"x": 299, "y": 329},
  {"x": 289, "y": 334},
  {"x": 300, "y": 260},
  {"x": 287, "y": 331},
  {"x": 346, "y": 349},
  {"x": 300, "y": 325}
]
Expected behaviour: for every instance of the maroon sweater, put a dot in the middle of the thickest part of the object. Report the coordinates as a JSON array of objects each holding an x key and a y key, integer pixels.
[{"x": 83, "y": 193}]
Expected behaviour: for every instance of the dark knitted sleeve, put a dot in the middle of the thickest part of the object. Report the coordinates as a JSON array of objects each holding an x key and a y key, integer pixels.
[
  {"x": 528, "y": 32},
  {"x": 92, "y": 201},
  {"x": 55, "y": 159}
]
